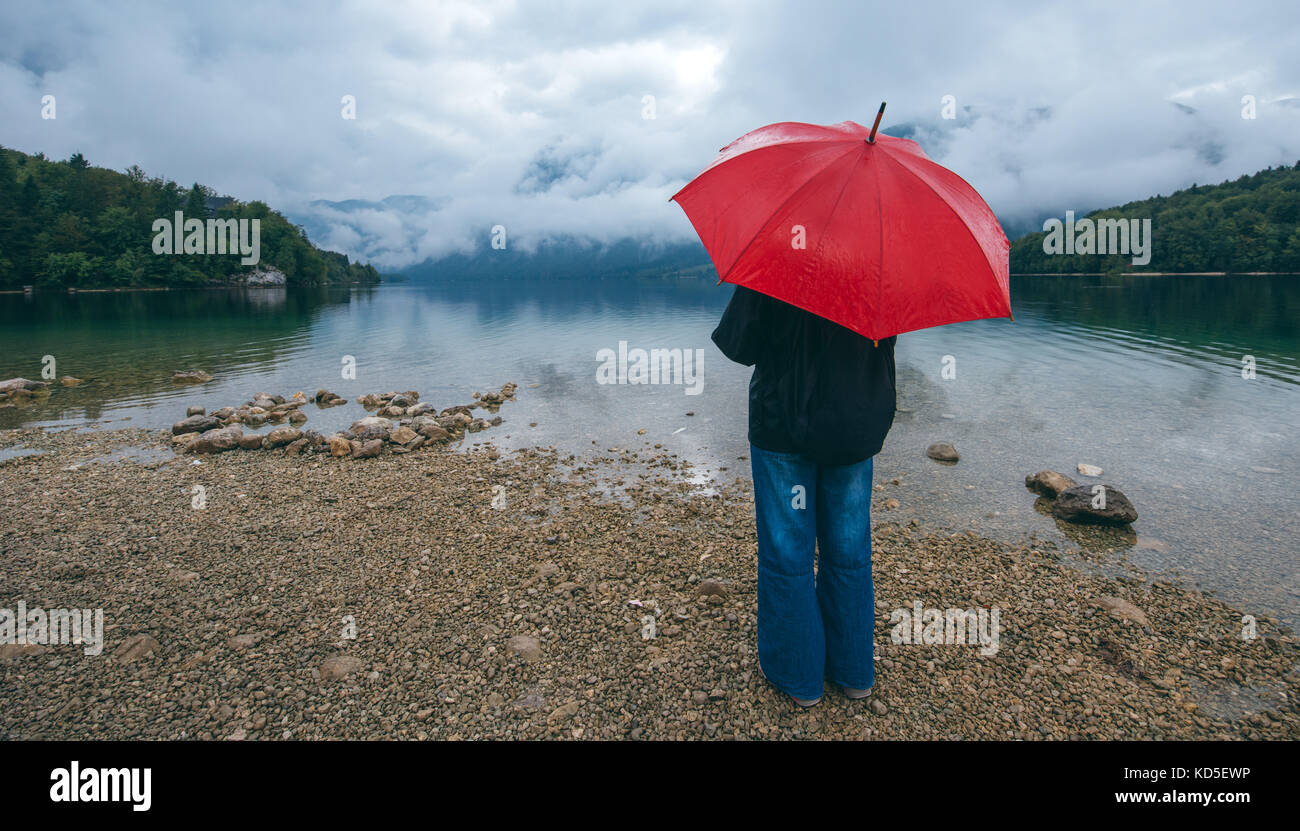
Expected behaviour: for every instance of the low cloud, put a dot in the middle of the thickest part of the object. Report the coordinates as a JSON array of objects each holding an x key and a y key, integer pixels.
[{"x": 532, "y": 116}]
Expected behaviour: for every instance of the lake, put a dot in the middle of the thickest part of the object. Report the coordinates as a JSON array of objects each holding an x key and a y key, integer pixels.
[{"x": 1142, "y": 376}]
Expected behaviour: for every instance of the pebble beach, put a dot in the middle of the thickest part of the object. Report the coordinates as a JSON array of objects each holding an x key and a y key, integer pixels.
[{"x": 473, "y": 593}]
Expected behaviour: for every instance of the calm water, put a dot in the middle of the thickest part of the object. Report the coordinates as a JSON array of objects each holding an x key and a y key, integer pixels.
[{"x": 1141, "y": 376}]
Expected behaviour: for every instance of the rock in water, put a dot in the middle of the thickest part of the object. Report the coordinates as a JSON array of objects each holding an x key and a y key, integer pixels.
[
  {"x": 1076, "y": 505},
  {"x": 69, "y": 381},
  {"x": 191, "y": 376},
  {"x": 942, "y": 452},
  {"x": 1049, "y": 483},
  {"x": 14, "y": 384},
  {"x": 371, "y": 421},
  {"x": 525, "y": 647},
  {"x": 196, "y": 423},
  {"x": 1089, "y": 470},
  {"x": 433, "y": 432}
]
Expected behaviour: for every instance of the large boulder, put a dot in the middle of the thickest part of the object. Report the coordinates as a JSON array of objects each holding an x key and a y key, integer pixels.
[
  {"x": 402, "y": 435},
  {"x": 1076, "y": 505},
  {"x": 369, "y": 449},
  {"x": 195, "y": 424},
  {"x": 371, "y": 427},
  {"x": 21, "y": 384},
  {"x": 281, "y": 436},
  {"x": 1049, "y": 483},
  {"x": 216, "y": 441},
  {"x": 370, "y": 421},
  {"x": 942, "y": 452},
  {"x": 433, "y": 432},
  {"x": 339, "y": 446}
]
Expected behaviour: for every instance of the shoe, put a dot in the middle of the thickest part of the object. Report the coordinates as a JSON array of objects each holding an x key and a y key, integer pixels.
[
  {"x": 857, "y": 695},
  {"x": 804, "y": 703}
]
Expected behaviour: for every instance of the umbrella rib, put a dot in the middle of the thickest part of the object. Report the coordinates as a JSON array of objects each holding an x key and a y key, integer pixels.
[
  {"x": 776, "y": 211},
  {"x": 838, "y": 198},
  {"x": 960, "y": 219},
  {"x": 880, "y": 245}
]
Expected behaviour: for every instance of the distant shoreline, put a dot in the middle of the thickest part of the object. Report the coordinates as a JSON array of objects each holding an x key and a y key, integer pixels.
[{"x": 124, "y": 289}]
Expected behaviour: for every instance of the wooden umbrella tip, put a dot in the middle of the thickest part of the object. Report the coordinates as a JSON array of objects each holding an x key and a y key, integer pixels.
[{"x": 871, "y": 139}]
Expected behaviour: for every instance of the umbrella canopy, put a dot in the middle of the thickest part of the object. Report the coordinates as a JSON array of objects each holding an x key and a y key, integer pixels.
[{"x": 870, "y": 234}]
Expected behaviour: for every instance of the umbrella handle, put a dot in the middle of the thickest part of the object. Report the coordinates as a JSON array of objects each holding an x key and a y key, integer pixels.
[{"x": 871, "y": 139}]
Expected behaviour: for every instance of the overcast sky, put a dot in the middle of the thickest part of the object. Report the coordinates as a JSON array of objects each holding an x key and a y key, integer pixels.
[{"x": 531, "y": 115}]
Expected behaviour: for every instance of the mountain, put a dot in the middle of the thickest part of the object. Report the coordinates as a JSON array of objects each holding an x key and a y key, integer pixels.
[
  {"x": 568, "y": 257},
  {"x": 1248, "y": 224},
  {"x": 70, "y": 225}
]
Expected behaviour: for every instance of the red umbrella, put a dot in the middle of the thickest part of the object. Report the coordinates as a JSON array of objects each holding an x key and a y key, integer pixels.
[{"x": 860, "y": 229}]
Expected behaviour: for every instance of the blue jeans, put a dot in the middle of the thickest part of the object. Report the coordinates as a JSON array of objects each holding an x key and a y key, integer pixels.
[{"x": 813, "y": 627}]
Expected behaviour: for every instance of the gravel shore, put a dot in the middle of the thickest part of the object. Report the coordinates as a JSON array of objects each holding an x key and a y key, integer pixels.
[{"x": 504, "y": 595}]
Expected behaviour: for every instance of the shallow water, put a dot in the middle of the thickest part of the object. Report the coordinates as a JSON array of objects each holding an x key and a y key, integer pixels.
[
  {"x": 1140, "y": 376},
  {"x": 17, "y": 452}
]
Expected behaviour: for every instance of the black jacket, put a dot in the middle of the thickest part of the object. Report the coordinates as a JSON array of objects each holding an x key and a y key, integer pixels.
[{"x": 818, "y": 388}]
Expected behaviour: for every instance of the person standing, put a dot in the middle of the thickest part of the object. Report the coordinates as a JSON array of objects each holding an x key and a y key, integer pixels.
[{"x": 821, "y": 401}]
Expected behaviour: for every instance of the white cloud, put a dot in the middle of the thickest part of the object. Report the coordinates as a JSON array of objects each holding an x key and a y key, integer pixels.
[{"x": 530, "y": 114}]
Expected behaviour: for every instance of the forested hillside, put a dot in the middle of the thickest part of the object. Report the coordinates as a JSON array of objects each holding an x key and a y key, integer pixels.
[
  {"x": 68, "y": 224},
  {"x": 1249, "y": 224}
]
